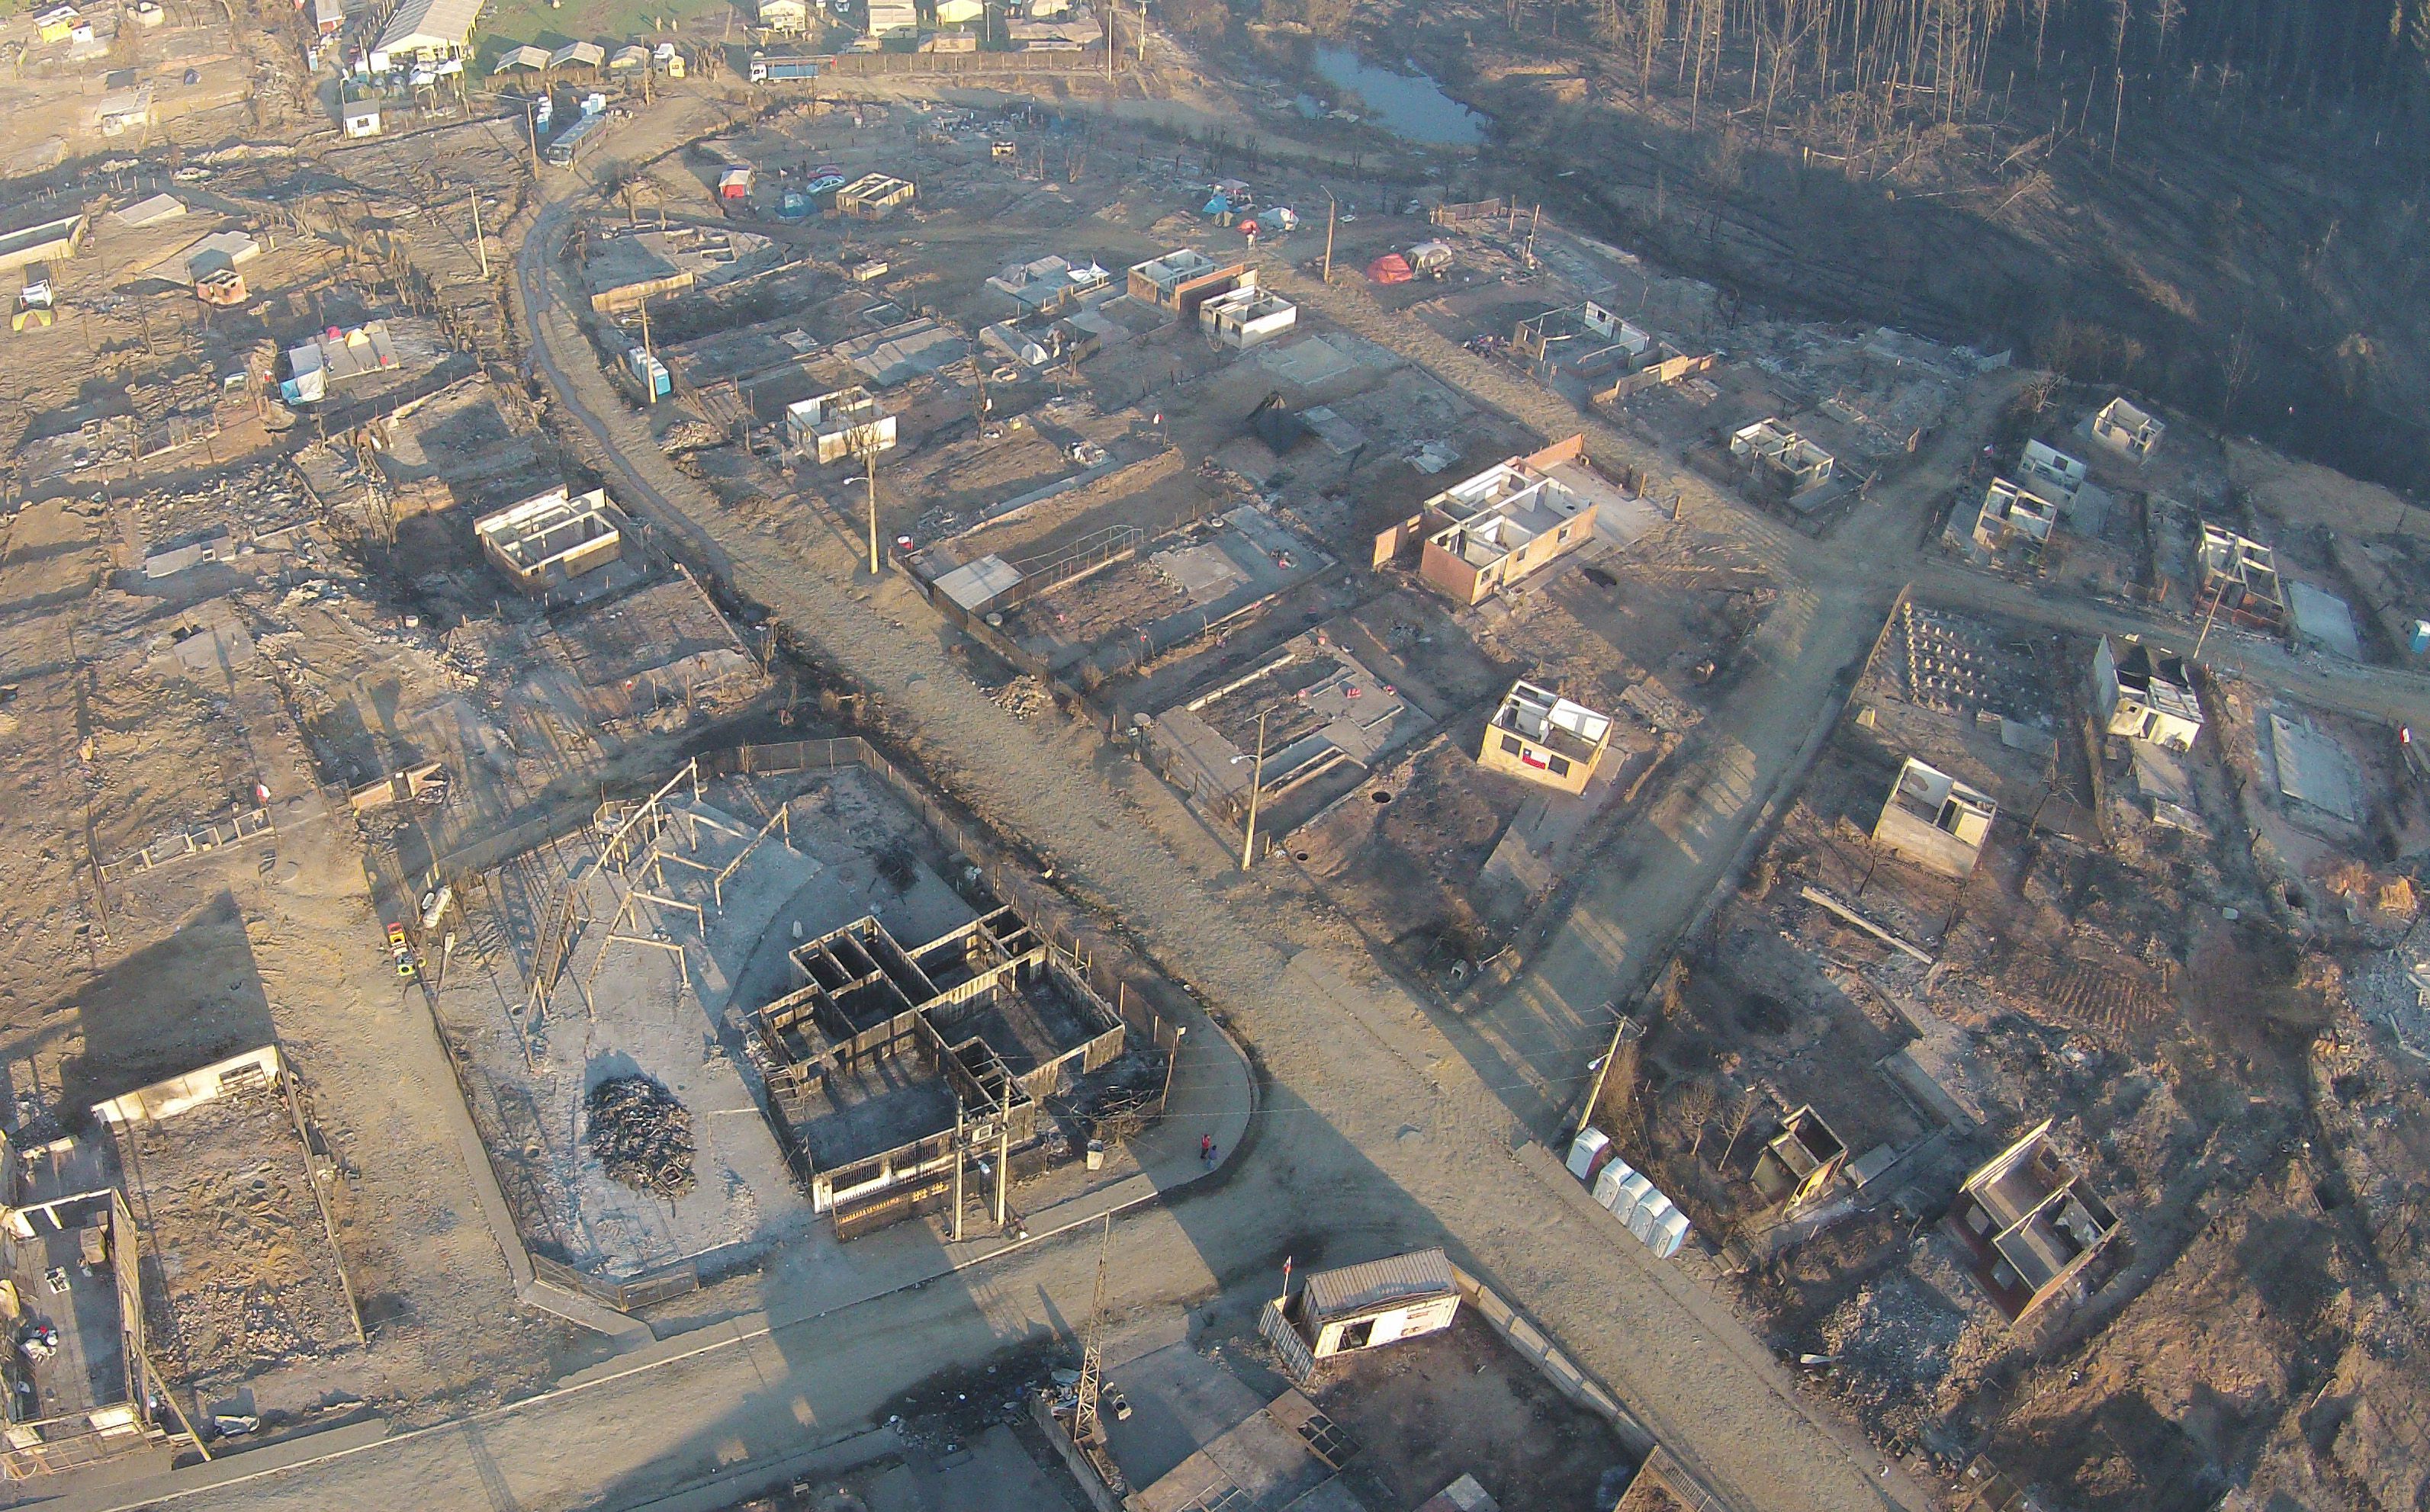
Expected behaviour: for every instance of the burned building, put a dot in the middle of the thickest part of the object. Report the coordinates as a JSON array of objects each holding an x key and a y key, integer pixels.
[
  {"x": 2145, "y": 697},
  {"x": 1183, "y": 280},
  {"x": 1801, "y": 1161},
  {"x": 2032, "y": 1227},
  {"x": 551, "y": 538},
  {"x": 2126, "y": 430},
  {"x": 1935, "y": 821},
  {"x": 832, "y": 427},
  {"x": 1510, "y": 521},
  {"x": 1245, "y": 317},
  {"x": 1781, "y": 462},
  {"x": 1584, "y": 339},
  {"x": 2014, "y": 514},
  {"x": 75, "y": 1367},
  {"x": 2239, "y": 578},
  {"x": 874, "y": 196},
  {"x": 1540, "y": 737},
  {"x": 889, "y": 1069}
]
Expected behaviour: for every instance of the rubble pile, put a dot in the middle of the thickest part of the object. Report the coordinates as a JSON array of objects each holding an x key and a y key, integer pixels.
[
  {"x": 642, "y": 1133},
  {"x": 1022, "y": 697}
]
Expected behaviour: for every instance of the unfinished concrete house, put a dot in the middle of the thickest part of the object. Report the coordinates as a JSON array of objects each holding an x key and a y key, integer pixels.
[
  {"x": 1801, "y": 1161},
  {"x": 551, "y": 538},
  {"x": 1515, "y": 518},
  {"x": 1246, "y": 316},
  {"x": 2145, "y": 697},
  {"x": 1935, "y": 821},
  {"x": 1781, "y": 462},
  {"x": 2126, "y": 430},
  {"x": 2239, "y": 578},
  {"x": 1540, "y": 737},
  {"x": 832, "y": 427},
  {"x": 890, "y": 1070},
  {"x": 2031, "y": 1227},
  {"x": 874, "y": 196},
  {"x": 75, "y": 1370},
  {"x": 2014, "y": 515},
  {"x": 1183, "y": 280},
  {"x": 1584, "y": 339},
  {"x": 1361, "y": 1307}
]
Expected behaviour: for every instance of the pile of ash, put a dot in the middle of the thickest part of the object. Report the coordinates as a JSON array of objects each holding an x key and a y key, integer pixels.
[{"x": 642, "y": 1133}]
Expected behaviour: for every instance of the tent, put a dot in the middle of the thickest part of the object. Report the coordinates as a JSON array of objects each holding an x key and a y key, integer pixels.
[{"x": 1391, "y": 267}]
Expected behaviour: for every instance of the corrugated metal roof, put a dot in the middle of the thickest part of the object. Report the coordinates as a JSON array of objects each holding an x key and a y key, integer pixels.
[
  {"x": 1356, "y": 1288},
  {"x": 431, "y": 24}
]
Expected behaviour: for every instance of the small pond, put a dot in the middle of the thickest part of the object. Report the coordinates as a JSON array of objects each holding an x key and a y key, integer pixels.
[{"x": 1408, "y": 105}]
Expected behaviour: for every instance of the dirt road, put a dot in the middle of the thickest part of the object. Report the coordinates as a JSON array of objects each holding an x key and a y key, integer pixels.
[
  {"x": 1397, "y": 1128},
  {"x": 1372, "y": 1110}
]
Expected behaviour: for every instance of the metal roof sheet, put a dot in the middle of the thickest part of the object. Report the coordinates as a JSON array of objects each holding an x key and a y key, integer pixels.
[
  {"x": 433, "y": 24},
  {"x": 1356, "y": 1288}
]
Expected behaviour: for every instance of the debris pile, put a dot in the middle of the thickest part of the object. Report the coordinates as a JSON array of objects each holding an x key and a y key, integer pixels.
[
  {"x": 1022, "y": 697},
  {"x": 642, "y": 1134}
]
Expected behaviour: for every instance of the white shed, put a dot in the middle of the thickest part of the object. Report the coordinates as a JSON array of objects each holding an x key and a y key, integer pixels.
[{"x": 1361, "y": 1307}]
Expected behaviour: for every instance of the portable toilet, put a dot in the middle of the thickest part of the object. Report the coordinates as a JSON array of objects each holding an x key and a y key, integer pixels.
[
  {"x": 2418, "y": 640},
  {"x": 1588, "y": 1151},
  {"x": 1634, "y": 1194},
  {"x": 1651, "y": 1211},
  {"x": 1669, "y": 1234},
  {"x": 1606, "y": 1185}
]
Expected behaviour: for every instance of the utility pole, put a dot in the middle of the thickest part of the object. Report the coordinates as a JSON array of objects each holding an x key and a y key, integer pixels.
[
  {"x": 869, "y": 458},
  {"x": 1084, "y": 1412},
  {"x": 957, "y": 1169},
  {"x": 1330, "y": 209},
  {"x": 649, "y": 380},
  {"x": 1003, "y": 1158},
  {"x": 2209, "y": 616},
  {"x": 531, "y": 120},
  {"x": 1143, "y": 35},
  {"x": 480, "y": 244},
  {"x": 1257, "y": 780}
]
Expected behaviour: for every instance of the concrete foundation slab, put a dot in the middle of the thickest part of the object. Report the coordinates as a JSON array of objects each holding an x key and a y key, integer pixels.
[{"x": 2313, "y": 769}]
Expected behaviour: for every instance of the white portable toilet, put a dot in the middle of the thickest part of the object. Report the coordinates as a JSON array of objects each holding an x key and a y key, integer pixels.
[
  {"x": 1606, "y": 1185},
  {"x": 1651, "y": 1211},
  {"x": 1588, "y": 1151},
  {"x": 1634, "y": 1193},
  {"x": 1668, "y": 1235}
]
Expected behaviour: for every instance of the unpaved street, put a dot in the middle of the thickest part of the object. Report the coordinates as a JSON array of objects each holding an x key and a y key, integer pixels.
[{"x": 1387, "y": 1123}]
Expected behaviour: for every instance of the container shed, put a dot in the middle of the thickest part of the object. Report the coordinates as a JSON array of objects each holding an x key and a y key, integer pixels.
[{"x": 1363, "y": 1307}]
